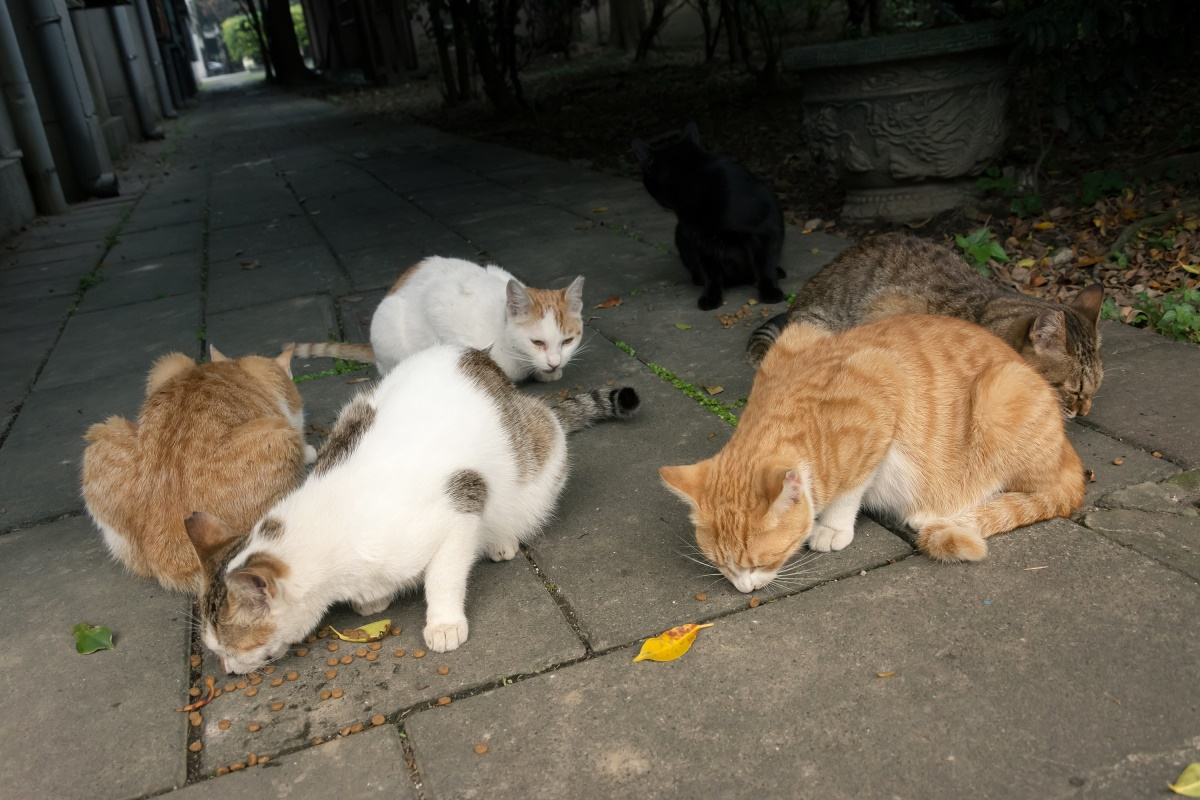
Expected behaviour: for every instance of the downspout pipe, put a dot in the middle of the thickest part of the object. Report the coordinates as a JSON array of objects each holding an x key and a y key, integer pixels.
[
  {"x": 156, "y": 65},
  {"x": 120, "y": 23},
  {"x": 52, "y": 40},
  {"x": 36, "y": 157}
]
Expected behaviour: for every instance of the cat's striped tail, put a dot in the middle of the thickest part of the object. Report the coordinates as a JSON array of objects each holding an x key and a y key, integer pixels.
[
  {"x": 763, "y": 337},
  {"x": 582, "y": 410},
  {"x": 345, "y": 350}
]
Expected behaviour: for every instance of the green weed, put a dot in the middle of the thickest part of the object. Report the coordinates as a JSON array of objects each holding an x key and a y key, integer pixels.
[
  {"x": 978, "y": 248},
  {"x": 1175, "y": 315},
  {"x": 340, "y": 367}
]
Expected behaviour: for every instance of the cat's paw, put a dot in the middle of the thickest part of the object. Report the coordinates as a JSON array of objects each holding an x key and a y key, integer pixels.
[
  {"x": 310, "y": 454},
  {"x": 771, "y": 294},
  {"x": 505, "y": 551},
  {"x": 825, "y": 539},
  {"x": 446, "y": 636},
  {"x": 707, "y": 303},
  {"x": 366, "y": 609}
]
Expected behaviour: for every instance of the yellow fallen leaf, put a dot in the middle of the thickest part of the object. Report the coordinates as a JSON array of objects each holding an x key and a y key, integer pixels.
[
  {"x": 599, "y": 209},
  {"x": 1192, "y": 268},
  {"x": 751, "y": 302},
  {"x": 1044, "y": 226},
  {"x": 672, "y": 644},
  {"x": 1188, "y": 782},
  {"x": 815, "y": 250},
  {"x": 885, "y": 674},
  {"x": 714, "y": 389},
  {"x": 367, "y": 633},
  {"x": 807, "y": 230},
  {"x": 1026, "y": 262}
]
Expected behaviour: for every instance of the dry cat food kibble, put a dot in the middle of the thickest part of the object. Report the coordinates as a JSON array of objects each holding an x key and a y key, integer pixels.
[
  {"x": 481, "y": 749},
  {"x": 378, "y": 719},
  {"x": 277, "y": 681},
  {"x": 356, "y": 727},
  {"x": 361, "y": 652},
  {"x": 318, "y": 740},
  {"x": 251, "y": 760},
  {"x": 310, "y": 638},
  {"x": 269, "y": 669},
  {"x": 195, "y": 719},
  {"x": 330, "y": 674},
  {"x": 291, "y": 676},
  {"x": 194, "y": 691},
  {"x": 195, "y": 661},
  {"x": 399, "y": 652},
  {"x": 332, "y": 661},
  {"x": 332, "y": 647},
  {"x": 231, "y": 687},
  {"x": 236, "y": 766},
  {"x": 372, "y": 656},
  {"x": 443, "y": 670},
  {"x": 443, "y": 701},
  {"x": 396, "y": 630},
  {"x": 347, "y": 659},
  {"x": 326, "y": 694},
  {"x": 1156, "y": 454},
  {"x": 255, "y": 679},
  {"x": 754, "y": 601},
  {"x": 254, "y": 727},
  {"x": 277, "y": 706},
  {"x": 337, "y": 693},
  {"x": 242, "y": 684},
  {"x": 222, "y": 771},
  {"x": 418, "y": 653},
  {"x": 224, "y": 724},
  {"x": 195, "y": 747},
  {"x": 701, "y": 596},
  {"x": 253, "y": 690},
  {"x": 301, "y": 651},
  {"x": 264, "y": 759},
  {"x": 1118, "y": 461},
  {"x": 375, "y": 645}
]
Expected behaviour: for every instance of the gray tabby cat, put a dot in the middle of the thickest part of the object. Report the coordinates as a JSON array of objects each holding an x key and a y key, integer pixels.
[{"x": 898, "y": 273}]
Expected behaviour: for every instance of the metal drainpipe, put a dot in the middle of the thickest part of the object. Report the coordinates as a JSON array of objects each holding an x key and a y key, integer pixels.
[
  {"x": 27, "y": 122},
  {"x": 125, "y": 45},
  {"x": 156, "y": 66},
  {"x": 52, "y": 40}
]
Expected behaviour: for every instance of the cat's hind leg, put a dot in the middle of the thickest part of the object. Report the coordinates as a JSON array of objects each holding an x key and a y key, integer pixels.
[
  {"x": 446, "y": 584},
  {"x": 365, "y": 608},
  {"x": 768, "y": 272}
]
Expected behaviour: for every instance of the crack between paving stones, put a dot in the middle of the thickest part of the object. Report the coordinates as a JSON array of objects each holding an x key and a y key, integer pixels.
[
  {"x": 202, "y": 330},
  {"x": 300, "y": 201},
  {"x": 24, "y": 526},
  {"x": 564, "y": 605},
  {"x": 410, "y": 763},
  {"x": 1124, "y": 546},
  {"x": 195, "y": 678}
]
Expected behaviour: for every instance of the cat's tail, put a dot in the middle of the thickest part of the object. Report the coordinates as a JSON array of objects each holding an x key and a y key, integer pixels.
[
  {"x": 582, "y": 410},
  {"x": 345, "y": 350},
  {"x": 763, "y": 337}
]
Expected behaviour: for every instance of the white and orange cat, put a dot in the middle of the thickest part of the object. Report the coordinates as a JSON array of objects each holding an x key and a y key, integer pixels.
[
  {"x": 224, "y": 437},
  {"x": 442, "y": 461},
  {"x": 930, "y": 420},
  {"x": 529, "y": 332}
]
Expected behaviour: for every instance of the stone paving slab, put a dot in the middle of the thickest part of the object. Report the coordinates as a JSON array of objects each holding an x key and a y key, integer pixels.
[
  {"x": 85, "y": 253},
  {"x": 379, "y": 267},
  {"x": 141, "y": 246},
  {"x": 129, "y": 340},
  {"x": 101, "y": 725},
  {"x": 18, "y": 314},
  {"x": 41, "y": 459},
  {"x": 19, "y": 360},
  {"x": 516, "y": 629},
  {"x": 162, "y": 212},
  {"x": 128, "y": 281},
  {"x": 264, "y": 329},
  {"x": 287, "y": 232},
  {"x": 255, "y": 278},
  {"x": 39, "y": 289},
  {"x": 1097, "y": 452},
  {"x": 371, "y": 764},
  {"x": 1008, "y": 683},
  {"x": 622, "y": 547}
]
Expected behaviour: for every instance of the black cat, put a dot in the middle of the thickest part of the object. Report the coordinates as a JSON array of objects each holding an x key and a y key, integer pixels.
[{"x": 730, "y": 227}]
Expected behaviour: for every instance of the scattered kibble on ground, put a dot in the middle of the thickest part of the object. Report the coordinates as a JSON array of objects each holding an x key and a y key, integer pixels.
[
  {"x": 347, "y": 659},
  {"x": 194, "y": 691},
  {"x": 337, "y": 693},
  {"x": 326, "y": 694},
  {"x": 754, "y": 601},
  {"x": 277, "y": 681},
  {"x": 481, "y": 749},
  {"x": 277, "y": 706},
  {"x": 418, "y": 653},
  {"x": 251, "y": 691},
  {"x": 443, "y": 701},
  {"x": 399, "y": 652},
  {"x": 301, "y": 651},
  {"x": 254, "y": 727},
  {"x": 332, "y": 661},
  {"x": 1118, "y": 461},
  {"x": 195, "y": 661},
  {"x": 332, "y": 646},
  {"x": 378, "y": 719},
  {"x": 195, "y": 747},
  {"x": 224, "y": 724},
  {"x": 361, "y": 652},
  {"x": 291, "y": 676},
  {"x": 701, "y": 596},
  {"x": 251, "y": 760},
  {"x": 222, "y": 771},
  {"x": 330, "y": 674},
  {"x": 443, "y": 670}
]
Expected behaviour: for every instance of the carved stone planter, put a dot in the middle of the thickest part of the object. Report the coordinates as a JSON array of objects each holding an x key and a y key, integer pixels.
[{"x": 906, "y": 121}]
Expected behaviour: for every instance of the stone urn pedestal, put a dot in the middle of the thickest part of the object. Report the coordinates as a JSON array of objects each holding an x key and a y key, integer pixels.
[{"x": 907, "y": 121}]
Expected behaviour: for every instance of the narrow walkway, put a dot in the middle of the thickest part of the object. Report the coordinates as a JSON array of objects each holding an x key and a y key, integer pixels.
[{"x": 1063, "y": 665}]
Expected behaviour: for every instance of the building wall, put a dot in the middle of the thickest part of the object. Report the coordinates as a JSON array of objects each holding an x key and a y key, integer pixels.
[{"x": 16, "y": 202}]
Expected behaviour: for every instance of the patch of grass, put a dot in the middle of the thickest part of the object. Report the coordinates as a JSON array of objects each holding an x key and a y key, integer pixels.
[
  {"x": 202, "y": 332},
  {"x": 340, "y": 367},
  {"x": 1175, "y": 315},
  {"x": 715, "y": 406},
  {"x": 978, "y": 248}
]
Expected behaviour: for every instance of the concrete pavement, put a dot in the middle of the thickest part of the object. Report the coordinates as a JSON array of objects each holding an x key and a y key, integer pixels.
[{"x": 1064, "y": 665}]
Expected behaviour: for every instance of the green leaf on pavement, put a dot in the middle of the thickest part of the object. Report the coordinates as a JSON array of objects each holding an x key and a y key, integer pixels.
[
  {"x": 683, "y": 326},
  {"x": 89, "y": 639}
]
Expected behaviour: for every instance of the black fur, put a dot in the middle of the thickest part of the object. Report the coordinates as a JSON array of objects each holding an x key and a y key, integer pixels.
[{"x": 730, "y": 228}]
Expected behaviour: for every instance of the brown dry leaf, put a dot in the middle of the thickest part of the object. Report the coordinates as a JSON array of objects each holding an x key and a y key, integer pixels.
[
  {"x": 613, "y": 300},
  {"x": 255, "y": 264},
  {"x": 885, "y": 674},
  {"x": 203, "y": 701},
  {"x": 714, "y": 389}
]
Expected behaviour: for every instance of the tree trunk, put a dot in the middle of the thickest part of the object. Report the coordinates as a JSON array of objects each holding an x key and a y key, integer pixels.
[
  {"x": 290, "y": 69},
  {"x": 626, "y": 23},
  {"x": 658, "y": 18},
  {"x": 442, "y": 43},
  {"x": 251, "y": 11},
  {"x": 491, "y": 72}
]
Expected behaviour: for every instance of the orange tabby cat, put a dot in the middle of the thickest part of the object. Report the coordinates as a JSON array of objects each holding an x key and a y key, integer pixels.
[
  {"x": 929, "y": 419},
  {"x": 224, "y": 437}
]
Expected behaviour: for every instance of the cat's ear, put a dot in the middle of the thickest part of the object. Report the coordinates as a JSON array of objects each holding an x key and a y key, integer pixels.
[
  {"x": 785, "y": 486},
  {"x": 518, "y": 301},
  {"x": 215, "y": 355},
  {"x": 209, "y": 534},
  {"x": 1089, "y": 301},
  {"x": 643, "y": 151},
  {"x": 257, "y": 583},
  {"x": 1048, "y": 333},
  {"x": 691, "y": 133},
  {"x": 284, "y": 359},
  {"x": 574, "y": 295},
  {"x": 686, "y": 481}
]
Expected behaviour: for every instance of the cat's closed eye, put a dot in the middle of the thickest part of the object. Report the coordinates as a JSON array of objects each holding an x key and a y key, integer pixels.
[
  {"x": 538, "y": 343},
  {"x": 568, "y": 341}
]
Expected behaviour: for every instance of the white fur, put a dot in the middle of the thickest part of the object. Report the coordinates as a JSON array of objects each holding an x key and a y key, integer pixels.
[
  {"x": 455, "y": 301},
  {"x": 381, "y": 520}
]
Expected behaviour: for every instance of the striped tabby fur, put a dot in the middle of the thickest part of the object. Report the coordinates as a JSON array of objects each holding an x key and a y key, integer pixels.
[{"x": 598, "y": 405}]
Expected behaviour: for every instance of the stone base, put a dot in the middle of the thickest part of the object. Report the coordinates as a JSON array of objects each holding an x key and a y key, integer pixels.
[
  {"x": 904, "y": 203},
  {"x": 116, "y": 136},
  {"x": 17, "y": 208}
]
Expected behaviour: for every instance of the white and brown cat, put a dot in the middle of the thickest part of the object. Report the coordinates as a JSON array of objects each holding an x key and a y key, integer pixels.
[
  {"x": 224, "y": 437},
  {"x": 529, "y": 332},
  {"x": 444, "y": 460},
  {"x": 930, "y": 420}
]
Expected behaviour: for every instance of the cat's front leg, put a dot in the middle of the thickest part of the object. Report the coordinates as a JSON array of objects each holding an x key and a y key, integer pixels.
[
  {"x": 504, "y": 550},
  {"x": 446, "y": 585},
  {"x": 834, "y": 528},
  {"x": 711, "y": 297},
  {"x": 689, "y": 253}
]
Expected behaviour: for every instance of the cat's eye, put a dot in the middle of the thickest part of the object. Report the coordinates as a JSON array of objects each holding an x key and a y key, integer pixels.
[
  {"x": 568, "y": 341},
  {"x": 538, "y": 343}
]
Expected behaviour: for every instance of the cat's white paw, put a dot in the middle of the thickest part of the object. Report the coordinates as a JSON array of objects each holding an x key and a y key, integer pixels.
[
  {"x": 446, "y": 636},
  {"x": 542, "y": 375},
  {"x": 826, "y": 539},
  {"x": 503, "y": 552},
  {"x": 310, "y": 454},
  {"x": 368, "y": 608}
]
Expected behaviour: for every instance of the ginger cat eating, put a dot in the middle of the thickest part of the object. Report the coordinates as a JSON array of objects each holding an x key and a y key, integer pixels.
[{"x": 928, "y": 419}]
